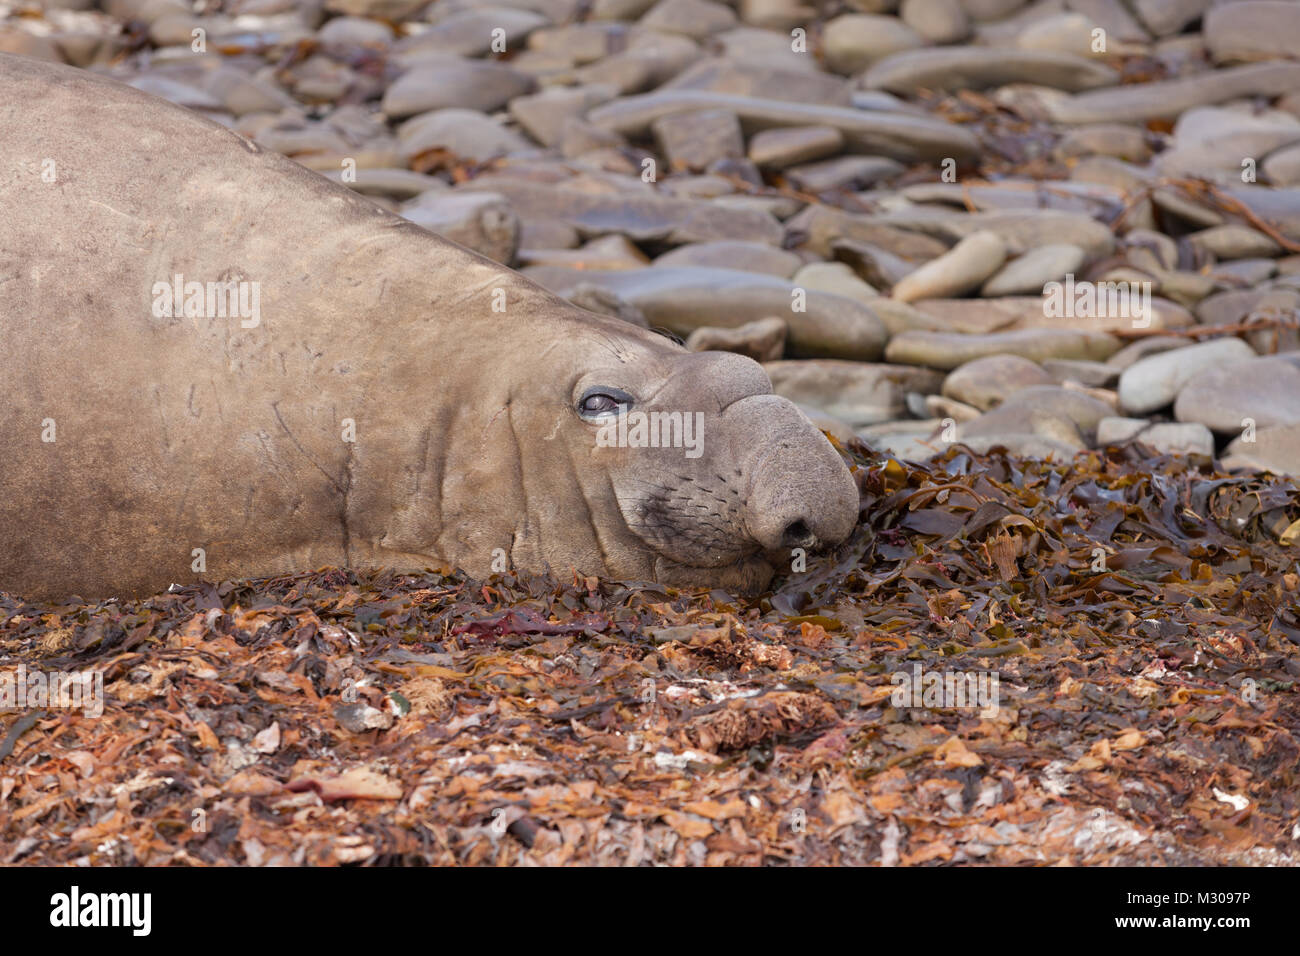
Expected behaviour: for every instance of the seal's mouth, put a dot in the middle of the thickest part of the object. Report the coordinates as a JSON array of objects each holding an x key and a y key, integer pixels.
[{"x": 748, "y": 575}]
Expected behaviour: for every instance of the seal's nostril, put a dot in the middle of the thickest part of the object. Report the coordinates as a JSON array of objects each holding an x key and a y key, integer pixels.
[{"x": 797, "y": 534}]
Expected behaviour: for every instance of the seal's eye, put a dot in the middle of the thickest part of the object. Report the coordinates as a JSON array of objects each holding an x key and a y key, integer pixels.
[{"x": 603, "y": 401}]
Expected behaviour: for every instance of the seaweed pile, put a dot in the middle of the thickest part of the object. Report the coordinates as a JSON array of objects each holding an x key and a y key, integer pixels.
[{"x": 1135, "y": 619}]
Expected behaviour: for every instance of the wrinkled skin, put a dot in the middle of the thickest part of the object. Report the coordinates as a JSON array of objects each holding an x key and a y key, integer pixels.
[{"x": 181, "y": 433}]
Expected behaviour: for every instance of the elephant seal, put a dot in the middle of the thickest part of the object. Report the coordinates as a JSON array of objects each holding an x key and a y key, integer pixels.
[{"x": 356, "y": 392}]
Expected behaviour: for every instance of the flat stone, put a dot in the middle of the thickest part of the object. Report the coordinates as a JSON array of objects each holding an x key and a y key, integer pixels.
[
  {"x": 986, "y": 382},
  {"x": 1089, "y": 374},
  {"x": 456, "y": 84},
  {"x": 464, "y": 133},
  {"x": 1154, "y": 382},
  {"x": 763, "y": 340},
  {"x": 1105, "y": 139},
  {"x": 1265, "y": 391},
  {"x": 641, "y": 216},
  {"x": 837, "y": 279},
  {"x": 1176, "y": 438},
  {"x": 1274, "y": 449},
  {"x": 735, "y": 254},
  {"x": 948, "y": 350},
  {"x": 978, "y": 68},
  {"x": 779, "y": 148},
  {"x": 853, "y": 41},
  {"x": 693, "y": 18},
  {"x": 858, "y": 393},
  {"x": 960, "y": 270},
  {"x": 1046, "y": 411},
  {"x": 398, "y": 183},
  {"x": 1030, "y": 272},
  {"x": 1116, "y": 429},
  {"x": 842, "y": 172},
  {"x": 1252, "y": 30},
  {"x": 1234, "y": 241},
  {"x": 1166, "y": 99},
  {"x": 899, "y": 136},
  {"x": 937, "y": 21},
  {"x": 695, "y": 140},
  {"x": 684, "y": 299}
]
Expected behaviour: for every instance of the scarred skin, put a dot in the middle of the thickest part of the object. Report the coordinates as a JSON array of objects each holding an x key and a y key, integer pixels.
[{"x": 175, "y": 433}]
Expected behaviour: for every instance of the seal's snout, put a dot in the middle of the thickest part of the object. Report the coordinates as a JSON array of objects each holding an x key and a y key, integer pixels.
[{"x": 801, "y": 493}]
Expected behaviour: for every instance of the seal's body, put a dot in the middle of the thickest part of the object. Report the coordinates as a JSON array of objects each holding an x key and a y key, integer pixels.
[{"x": 349, "y": 395}]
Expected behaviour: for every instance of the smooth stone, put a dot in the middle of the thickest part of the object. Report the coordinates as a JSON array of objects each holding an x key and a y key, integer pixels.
[
  {"x": 735, "y": 254},
  {"x": 1046, "y": 411},
  {"x": 936, "y": 406},
  {"x": 398, "y": 183},
  {"x": 695, "y": 140},
  {"x": 853, "y": 41},
  {"x": 992, "y": 9},
  {"x": 1141, "y": 348},
  {"x": 1274, "y": 449},
  {"x": 1243, "y": 272},
  {"x": 483, "y": 222},
  {"x": 392, "y": 10},
  {"x": 818, "y": 225},
  {"x": 1233, "y": 241},
  {"x": 1030, "y": 272},
  {"x": 693, "y": 18},
  {"x": 1154, "y": 382},
  {"x": 762, "y": 81},
  {"x": 936, "y": 21},
  {"x": 1020, "y": 229},
  {"x": 641, "y": 216},
  {"x": 1029, "y": 445},
  {"x": 1178, "y": 438},
  {"x": 978, "y": 68},
  {"x": 1116, "y": 429},
  {"x": 899, "y": 136},
  {"x": 948, "y": 350},
  {"x": 1088, "y": 374},
  {"x": 464, "y": 133},
  {"x": 354, "y": 32},
  {"x": 1105, "y": 139},
  {"x": 960, "y": 270},
  {"x": 763, "y": 340},
  {"x": 1282, "y": 168},
  {"x": 1252, "y": 30},
  {"x": 607, "y": 252},
  {"x": 843, "y": 172},
  {"x": 1166, "y": 17},
  {"x": 876, "y": 266},
  {"x": 986, "y": 382},
  {"x": 858, "y": 393},
  {"x": 837, "y": 279},
  {"x": 467, "y": 84},
  {"x": 1264, "y": 390},
  {"x": 779, "y": 148},
  {"x": 684, "y": 299},
  {"x": 469, "y": 32},
  {"x": 543, "y": 115},
  {"x": 1166, "y": 99},
  {"x": 1034, "y": 312},
  {"x": 1236, "y": 305}
]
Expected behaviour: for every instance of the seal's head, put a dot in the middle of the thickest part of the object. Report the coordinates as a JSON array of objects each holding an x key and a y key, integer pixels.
[{"x": 690, "y": 471}]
